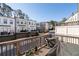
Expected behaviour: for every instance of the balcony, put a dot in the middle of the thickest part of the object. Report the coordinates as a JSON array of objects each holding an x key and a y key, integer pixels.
[
  {"x": 20, "y": 47},
  {"x": 57, "y": 45}
]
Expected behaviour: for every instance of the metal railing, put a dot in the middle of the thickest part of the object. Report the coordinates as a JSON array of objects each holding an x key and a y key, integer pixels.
[{"x": 20, "y": 46}]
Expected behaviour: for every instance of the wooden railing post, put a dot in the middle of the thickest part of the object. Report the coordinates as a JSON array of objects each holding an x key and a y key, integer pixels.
[
  {"x": 1, "y": 50},
  {"x": 17, "y": 49},
  {"x": 57, "y": 49},
  {"x": 78, "y": 41},
  {"x": 61, "y": 38},
  {"x": 40, "y": 41}
]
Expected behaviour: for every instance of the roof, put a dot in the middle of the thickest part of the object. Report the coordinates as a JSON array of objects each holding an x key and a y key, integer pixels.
[
  {"x": 1, "y": 14},
  {"x": 73, "y": 18}
]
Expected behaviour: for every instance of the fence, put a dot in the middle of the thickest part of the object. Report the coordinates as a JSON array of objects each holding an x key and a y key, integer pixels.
[{"x": 20, "y": 46}]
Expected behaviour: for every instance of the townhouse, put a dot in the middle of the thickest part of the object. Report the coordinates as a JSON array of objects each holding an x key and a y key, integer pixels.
[
  {"x": 11, "y": 19},
  {"x": 31, "y": 25}
]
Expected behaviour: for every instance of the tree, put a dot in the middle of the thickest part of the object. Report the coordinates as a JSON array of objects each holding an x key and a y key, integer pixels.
[
  {"x": 63, "y": 20},
  {"x": 53, "y": 22}
]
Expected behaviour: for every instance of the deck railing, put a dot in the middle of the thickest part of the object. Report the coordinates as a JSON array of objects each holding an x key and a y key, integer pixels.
[
  {"x": 69, "y": 45},
  {"x": 20, "y": 46},
  {"x": 69, "y": 23},
  {"x": 69, "y": 39}
]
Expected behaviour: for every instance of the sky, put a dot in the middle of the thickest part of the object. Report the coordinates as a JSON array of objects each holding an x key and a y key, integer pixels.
[{"x": 46, "y": 11}]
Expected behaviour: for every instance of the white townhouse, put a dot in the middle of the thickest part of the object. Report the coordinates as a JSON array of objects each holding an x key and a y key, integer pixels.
[
  {"x": 8, "y": 17},
  {"x": 31, "y": 25},
  {"x": 44, "y": 26},
  {"x": 69, "y": 28},
  {"x": 21, "y": 24},
  {"x": 7, "y": 24}
]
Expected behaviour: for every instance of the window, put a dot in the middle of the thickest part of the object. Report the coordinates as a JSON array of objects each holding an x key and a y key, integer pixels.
[
  {"x": 35, "y": 24},
  {"x": 17, "y": 22},
  {"x": 21, "y": 22},
  {"x": 0, "y": 6},
  {"x": 11, "y": 22},
  {"x": 29, "y": 23},
  {"x": 0, "y": 20},
  {"x": 32, "y": 23},
  {"x": 5, "y": 21},
  {"x": 25, "y": 22}
]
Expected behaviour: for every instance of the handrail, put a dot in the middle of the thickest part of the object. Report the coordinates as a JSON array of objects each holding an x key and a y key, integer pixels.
[
  {"x": 21, "y": 39},
  {"x": 67, "y": 36},
  {"x": 68, "y": 39},
  {"x": 55, "y": 48},
  {"x": 21, "y": 45}
]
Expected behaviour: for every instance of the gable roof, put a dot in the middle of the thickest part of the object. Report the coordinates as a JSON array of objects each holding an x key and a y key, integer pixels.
[{"x": 73, "y": 18}]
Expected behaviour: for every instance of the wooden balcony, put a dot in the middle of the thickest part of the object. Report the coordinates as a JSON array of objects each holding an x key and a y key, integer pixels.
[
  {"x": 21, "y": 46},
  {"x": 58, "y": 45}
]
